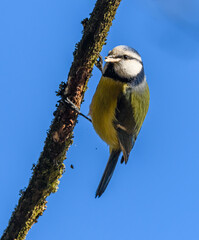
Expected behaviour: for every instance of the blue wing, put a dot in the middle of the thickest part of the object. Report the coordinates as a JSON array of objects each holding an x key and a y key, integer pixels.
[{"x": 125, "y": 125}]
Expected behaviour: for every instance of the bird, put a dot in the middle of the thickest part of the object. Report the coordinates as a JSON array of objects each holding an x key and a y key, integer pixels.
[{"x": 119, "y": 106}]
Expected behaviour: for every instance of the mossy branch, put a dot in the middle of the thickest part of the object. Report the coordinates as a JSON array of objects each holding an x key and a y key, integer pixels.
[{"x": 50, "y": 166}]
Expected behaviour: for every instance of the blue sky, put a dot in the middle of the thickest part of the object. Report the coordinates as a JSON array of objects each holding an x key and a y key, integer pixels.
[{"x": 155, "y": 196}]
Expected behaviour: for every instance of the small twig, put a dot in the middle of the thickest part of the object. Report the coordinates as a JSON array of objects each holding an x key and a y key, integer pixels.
[{"x": 74, "y": 107}]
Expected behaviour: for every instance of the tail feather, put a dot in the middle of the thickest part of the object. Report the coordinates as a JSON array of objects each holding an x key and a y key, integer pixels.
[{"x": 108, "y": 172}]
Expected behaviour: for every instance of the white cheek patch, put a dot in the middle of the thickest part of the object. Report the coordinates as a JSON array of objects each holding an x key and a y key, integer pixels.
[{"x": 128, "y": 68}]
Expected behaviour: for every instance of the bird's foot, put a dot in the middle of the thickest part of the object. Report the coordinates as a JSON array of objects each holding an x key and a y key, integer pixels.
[{"x": 99, "y": 63}]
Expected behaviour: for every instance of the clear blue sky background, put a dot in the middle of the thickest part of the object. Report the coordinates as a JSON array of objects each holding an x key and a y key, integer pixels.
[{"x": 156, "y": 195}]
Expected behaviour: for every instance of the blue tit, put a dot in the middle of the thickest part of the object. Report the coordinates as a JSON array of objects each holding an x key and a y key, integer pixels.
[{"x": 119, "y": 106}]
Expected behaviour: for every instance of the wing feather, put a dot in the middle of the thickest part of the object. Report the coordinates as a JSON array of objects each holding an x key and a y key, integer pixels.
[
  {"x": 132, "y": 107},
  {"x": 125, "y": 125}
]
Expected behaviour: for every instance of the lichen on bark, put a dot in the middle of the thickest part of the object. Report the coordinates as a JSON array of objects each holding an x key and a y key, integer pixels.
[{"x": 50, "y": 166}]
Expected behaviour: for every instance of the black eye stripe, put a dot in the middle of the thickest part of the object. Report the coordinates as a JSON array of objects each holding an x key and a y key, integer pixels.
[{"x": 126, "y": 57}]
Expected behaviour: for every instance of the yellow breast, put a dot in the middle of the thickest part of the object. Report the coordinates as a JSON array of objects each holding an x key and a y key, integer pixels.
[{"x": 102, "y": 109}]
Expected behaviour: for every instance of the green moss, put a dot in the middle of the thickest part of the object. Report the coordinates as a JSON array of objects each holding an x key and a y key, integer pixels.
[{"x": 50, "y": 167}]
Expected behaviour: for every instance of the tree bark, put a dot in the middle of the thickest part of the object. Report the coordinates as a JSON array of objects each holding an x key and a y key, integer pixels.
[{"x": 50, "y": 166}]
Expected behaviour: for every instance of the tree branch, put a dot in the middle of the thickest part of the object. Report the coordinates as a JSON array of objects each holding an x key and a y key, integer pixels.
[{"x": 50, "y": 166}]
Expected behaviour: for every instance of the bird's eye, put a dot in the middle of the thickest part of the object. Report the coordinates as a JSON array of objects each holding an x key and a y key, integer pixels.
[{"x": 125, "y": 57}]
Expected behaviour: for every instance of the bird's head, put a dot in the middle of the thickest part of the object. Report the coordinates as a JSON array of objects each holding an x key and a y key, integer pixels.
[{"x": 123, "y": 63}]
